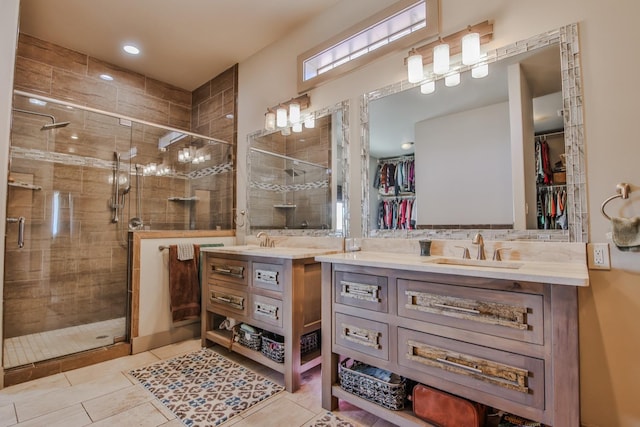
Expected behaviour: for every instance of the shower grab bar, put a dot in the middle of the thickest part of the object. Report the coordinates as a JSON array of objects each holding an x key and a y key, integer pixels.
[{"x": 21, "y": 221}]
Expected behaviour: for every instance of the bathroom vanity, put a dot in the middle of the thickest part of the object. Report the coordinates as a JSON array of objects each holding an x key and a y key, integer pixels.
[
  {"x": 276, "y": 289},
  {"x": 502, "y": 335}
]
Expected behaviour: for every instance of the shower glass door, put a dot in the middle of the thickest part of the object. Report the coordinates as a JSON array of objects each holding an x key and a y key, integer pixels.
[{"x": 65, "y": 284}]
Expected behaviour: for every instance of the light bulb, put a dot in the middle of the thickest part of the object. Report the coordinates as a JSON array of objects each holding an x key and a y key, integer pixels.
[
  {"x": 415, "y": 69},
  {"x": 285, "y": 131},
  {"x": 441, "y": 59},
  {"x": 270, "y": 121},
  {"x": 452, "y": 80},
  {"x": 281, "y": 117},
  {"x": 428, "y": 87},
  {"x": 480, "y": 71},
  {"x": 296, "y": 127},
  {"x": 294, "y": 112},
  {"x": 310, "y": 121},
  {"x": 470, "y": 48}
]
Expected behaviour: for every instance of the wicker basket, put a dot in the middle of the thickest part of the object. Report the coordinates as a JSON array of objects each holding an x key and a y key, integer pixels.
[
  {"x": 273, "y": 345},
  {"x": 390, "y": 395},
  {"x": 249, "y": 339}
]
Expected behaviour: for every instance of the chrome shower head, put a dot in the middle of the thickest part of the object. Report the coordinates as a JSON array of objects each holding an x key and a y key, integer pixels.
[{"x": 55, "y": 125}]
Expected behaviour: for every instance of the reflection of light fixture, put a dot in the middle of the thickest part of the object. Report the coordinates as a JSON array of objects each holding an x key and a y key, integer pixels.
[
  {"x": 294, "y": 112},
  {"x": 285, "y": 131},
  {"x": 270, "y": 121},
  {"x": 106, "y": 77},
  {"x": 428, "y": 87},
  {"x": 281, "y": 116},
  {"x": 452, "y": 80},
  {"x": 441, "y": 58},
  {"x": 407, "y": 145},
  {"x": 471, "y": 48},
  {"x": 310, "y": 121},
  {"x": 415, "y": 69},
  {"x": 297, "y": 127},
  {"x": 480, "y": 71}
]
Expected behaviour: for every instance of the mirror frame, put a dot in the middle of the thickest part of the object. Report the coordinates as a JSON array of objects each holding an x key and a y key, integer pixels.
[
  {"x": 342, "y": 162},
  {"x": 567, "y": 39}
]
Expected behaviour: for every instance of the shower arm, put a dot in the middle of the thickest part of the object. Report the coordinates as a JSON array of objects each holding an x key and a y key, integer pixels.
[{"x": 36, "y": 113}]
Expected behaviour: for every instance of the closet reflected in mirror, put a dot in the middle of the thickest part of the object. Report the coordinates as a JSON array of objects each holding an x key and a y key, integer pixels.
[
  {"x": 501, "y": 154},
  {"x": 296, "y": 180}
]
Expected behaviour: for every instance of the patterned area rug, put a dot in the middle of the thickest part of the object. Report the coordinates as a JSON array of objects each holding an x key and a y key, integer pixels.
[
  {"x": 329, "y": 419},
  {"x": 203, "y": 388}
]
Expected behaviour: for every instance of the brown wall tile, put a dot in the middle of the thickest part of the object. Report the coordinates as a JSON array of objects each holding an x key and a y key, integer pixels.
[
  {"x": 54, "y": 55},
  {"x": 121, "y": 76},
  {"x": 75, "y": 88},
  {"x": 168, "y": 92},
  {"x": 144, "y": 107},
  {"x": 33, "y": 76}
]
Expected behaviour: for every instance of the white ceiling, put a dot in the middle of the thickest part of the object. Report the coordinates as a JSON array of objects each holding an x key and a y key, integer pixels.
[{"x": 183, "y": 42}]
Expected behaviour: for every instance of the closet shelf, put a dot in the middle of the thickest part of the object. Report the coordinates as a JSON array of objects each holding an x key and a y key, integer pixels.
[
  {"x": 25, "y": 185},
  {"x": 285, "y": 206}
]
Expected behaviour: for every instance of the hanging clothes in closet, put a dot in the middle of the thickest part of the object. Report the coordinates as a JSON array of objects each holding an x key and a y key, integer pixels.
[
  {"x": 552, "y": 208},
  {"x": 397, "y": 214},
  {"x": 395, "y": 176},
  {"x": 544, "y": 174}
]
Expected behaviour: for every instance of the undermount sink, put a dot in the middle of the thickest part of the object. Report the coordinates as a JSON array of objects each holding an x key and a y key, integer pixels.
[{"x": 475, "y": 262}]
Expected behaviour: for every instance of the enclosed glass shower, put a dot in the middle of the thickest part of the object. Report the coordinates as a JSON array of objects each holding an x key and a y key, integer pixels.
[{"x": 79, "y": 182}]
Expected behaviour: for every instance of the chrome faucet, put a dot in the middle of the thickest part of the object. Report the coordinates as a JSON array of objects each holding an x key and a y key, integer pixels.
[
  {"x": 266, "y": 242},
  {"x": 478, "y": 240}
]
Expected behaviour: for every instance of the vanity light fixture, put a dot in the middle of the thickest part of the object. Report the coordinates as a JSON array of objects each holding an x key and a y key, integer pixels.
[
  {"x": 471, "y": 48},
  {"x": 441, "y": 58},
  {"x": 415, "y": 67},
  {"x": 428, "y": 87},
  {"x": 296, "y": 127},
  {"x": 310, "y": 120},
  {"x": 460, "y": 50},
  {"x": 287, "y": 114},
  {"x": 452, "y": 79}
]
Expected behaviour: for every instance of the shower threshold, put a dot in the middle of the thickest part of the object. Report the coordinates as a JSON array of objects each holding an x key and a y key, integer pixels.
[{"x": 32, "y": 348}]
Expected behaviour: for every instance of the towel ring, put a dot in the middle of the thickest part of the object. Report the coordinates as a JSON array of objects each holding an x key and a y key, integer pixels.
[{"x": 622, "y": 190}]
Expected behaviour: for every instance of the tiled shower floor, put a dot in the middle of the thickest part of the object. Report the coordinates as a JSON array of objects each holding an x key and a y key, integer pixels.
[{"x": 32, "y": 348}]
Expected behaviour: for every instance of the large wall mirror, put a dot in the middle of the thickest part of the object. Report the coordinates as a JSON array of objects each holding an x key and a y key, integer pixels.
[
  {"x": 297, "y": 180},
  {"x": 502, "y": 154}
]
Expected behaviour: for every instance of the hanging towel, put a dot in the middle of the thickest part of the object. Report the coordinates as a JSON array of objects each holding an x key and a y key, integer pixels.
[
  {"x": 185, "y": 251},
  {"x": 626, "y": 233},
  {"x": 184, "y": 286}
]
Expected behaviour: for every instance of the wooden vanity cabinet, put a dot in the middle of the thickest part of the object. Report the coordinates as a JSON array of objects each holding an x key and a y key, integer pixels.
[
  {"x": 274, "y": 294},
  {"x": 512, "y": 345}
]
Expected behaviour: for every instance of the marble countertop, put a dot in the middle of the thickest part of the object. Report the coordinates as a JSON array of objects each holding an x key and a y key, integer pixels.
[
  {"x": 271, "y": 252},
  {"x": 559, "y": 273}
]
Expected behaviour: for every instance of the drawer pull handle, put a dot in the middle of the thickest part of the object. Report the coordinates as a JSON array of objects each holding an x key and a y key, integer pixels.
[
  {"x": 459, "y": 365},
  {"x": 232, "y": 301},
  {"x": 266, "y": 276},
  {"x": 360, "y": 291},
  {"x": 226, "y": 270},
  {"x": 361, "y": 336},
  {"x": 453, "y": 307},
  {"x": 267, "y": 310}
]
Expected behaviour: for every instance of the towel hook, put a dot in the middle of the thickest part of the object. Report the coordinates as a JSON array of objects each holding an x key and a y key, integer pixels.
[{"x": 622, "y": 191}]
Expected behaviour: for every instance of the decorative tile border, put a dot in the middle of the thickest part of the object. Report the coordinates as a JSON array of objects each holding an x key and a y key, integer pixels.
[{"x": 288, "y": 188}]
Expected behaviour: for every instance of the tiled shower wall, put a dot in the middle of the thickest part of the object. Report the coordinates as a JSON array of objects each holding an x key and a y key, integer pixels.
[
  {"x": 75, "y": 272},
  {"x": 271, "y": 186}
]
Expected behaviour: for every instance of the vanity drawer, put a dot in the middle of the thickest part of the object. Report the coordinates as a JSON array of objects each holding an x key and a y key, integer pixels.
[
  {"x": 513, "y": 315},
  {"x": 507, "y": 375},
  {"x": 226, "y": 300},
  {"x": 363, "y": 335},
  {"x": 228, "y": 270},
  {"x": 268, "y": 276},
  {"x": 266, "y": 310},
  {"x": 361, "y": 290}
]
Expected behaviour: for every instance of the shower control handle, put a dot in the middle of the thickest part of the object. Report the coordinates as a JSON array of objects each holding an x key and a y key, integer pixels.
[{"x": 20, "y": 220}]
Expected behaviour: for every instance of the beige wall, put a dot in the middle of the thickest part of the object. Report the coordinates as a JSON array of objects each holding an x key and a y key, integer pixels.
[{"x": 610, "y": 339}]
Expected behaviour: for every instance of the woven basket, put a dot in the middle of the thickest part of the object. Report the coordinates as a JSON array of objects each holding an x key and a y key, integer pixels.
[
  {"x": 249, "y": 339},
  {"x": 390, "y": 395},
  {"x": 273, "y": 345}
]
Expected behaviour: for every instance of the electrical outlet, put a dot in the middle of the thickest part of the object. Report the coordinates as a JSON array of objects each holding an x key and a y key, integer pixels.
[{"x": 598, "y": 256}]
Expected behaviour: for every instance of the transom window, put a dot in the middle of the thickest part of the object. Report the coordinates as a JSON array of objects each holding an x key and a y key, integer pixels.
[{"x": 395, "y": 28}]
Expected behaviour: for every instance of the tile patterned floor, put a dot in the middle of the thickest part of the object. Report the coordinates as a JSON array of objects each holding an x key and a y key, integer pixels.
[
  {"x": 104, "y": 395},
  {"x": 32, "y": 348}
]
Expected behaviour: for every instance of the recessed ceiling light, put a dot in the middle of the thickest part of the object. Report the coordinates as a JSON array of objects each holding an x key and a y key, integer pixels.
[
  {"x": 131, "y": 49},
  {"x": 74, "y": 136},
  {"x": 229, "y": 116},
  {"x": 35, "y": 101},
  {"x": 106, "y": 77},
  {"x": 407, "y": 145}
]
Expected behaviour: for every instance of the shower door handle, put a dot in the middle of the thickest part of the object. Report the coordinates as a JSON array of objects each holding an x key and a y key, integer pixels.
[{"x": 21, "y": 220}]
